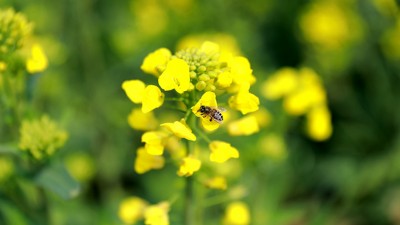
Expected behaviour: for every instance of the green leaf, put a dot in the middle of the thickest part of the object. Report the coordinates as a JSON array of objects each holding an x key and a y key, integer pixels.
[{"x": 57, "y": 180}]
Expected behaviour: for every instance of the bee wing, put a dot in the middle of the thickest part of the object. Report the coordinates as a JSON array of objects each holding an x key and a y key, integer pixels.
[{"x": 221, "y": 109}]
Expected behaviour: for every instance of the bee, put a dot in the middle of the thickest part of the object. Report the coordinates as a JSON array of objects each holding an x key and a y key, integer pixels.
[{"x": 214, "y": 113}]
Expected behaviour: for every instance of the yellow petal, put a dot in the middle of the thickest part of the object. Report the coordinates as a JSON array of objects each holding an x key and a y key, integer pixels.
[
  {"x": 245, "y": 126},
  {"x": 237, "y": 213},
  {"x": 224, "y": 80},
  {"x": 244, "y": 101},
  {"x": 180, "y": 129},
  {"x": 319, "y": 124},
  {"x": 222, "y": 151},
  {"x": 154, "y": 142},
  {"x": 152, "y": 98},
  {"x": 188, "y": 166},
  {"x": 176, "y": 76},
  {"x": 37, "y": 62},
  {"x": 157, "y": 214},
  {"x": 145, "y": 161},
  {"x": 156, "y": 61},
  {"x": 131, "y": 210},
  {"x": 134, "y": 90},
  {"x": 142, "y": 121}
]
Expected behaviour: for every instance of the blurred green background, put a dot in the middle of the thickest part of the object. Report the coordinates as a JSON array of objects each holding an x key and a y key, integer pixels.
[{"x": 94, "y": 45}]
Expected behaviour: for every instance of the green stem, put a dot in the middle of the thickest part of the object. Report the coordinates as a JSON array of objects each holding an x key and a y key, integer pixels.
[
  {"x": 201, "y": 134},
  {"x": 189, "y": 211}
]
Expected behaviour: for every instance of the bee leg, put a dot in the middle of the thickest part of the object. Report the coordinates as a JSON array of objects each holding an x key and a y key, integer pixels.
[{"x": 210, "y": 119}]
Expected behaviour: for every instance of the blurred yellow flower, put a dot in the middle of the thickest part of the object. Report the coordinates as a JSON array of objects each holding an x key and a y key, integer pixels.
[
  {"x": 237, "y": 213},
  {"x": 154, "y": 142},
  {"x": 145, "y": 162},
  {"x": 245, "y": 126},
  {"x": 3, "y": 66},
  {"x": 134, "y": 90},
  {"x": 390, "y": 41},
  {"x": 180, "y": 129},
  {"x": 280, "y": 84},
  {"x": 152, "y": 98},
  {"x": 217, "y": 182},
  {"x": 330, "y": 25},
  {"x": 319, "y": 125},
  {"x": 188, "y": 166},
  {"x": 157, "y": 214},
  {"x": 6, "y": 168},
  {"x": 244, "y": 101},
  {"x": 131, "y": 210},
  {"x": 42, "y": 138},
  {"x": 175, "y": 76},
  {"x": 37, "y": 61},
  {"x": 14, "y": 29},
  {"x": 263, "y": 117},
  {"x": 81, "y": 166},
  {"x": 142, "y": 121},
  {"x": 208, "y": 99},
  {"x": 222, "y": 151},
  {"x": 156, "y": 62},
  {"x": 273, "y": 146}
]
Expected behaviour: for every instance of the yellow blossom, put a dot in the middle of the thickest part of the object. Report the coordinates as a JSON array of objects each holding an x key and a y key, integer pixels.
[
  {"x": 244, "y": 101},
  {"x": 152, "y": 98},
  {"x": 142, "y": 121},
  {"x": 175, "y": 76},
  {"x": 154, "y": 142},
  {"x": 319, "y": 125},
  {"x": 237, "y": 213},
  {"x": 131, "y": 210},
  {"x": 309, "y": 92},
  {"x": 155, "y": 62},
  {"x": 263, "y": 117},
  {"x": 134, "y": 90},
  {"x": 145, "y": 161},
  {"x": 41, "y": 137},
  {"x": 218, "y": 182},
  {"x": 188, "y": 166},
  {"x": 157, "y": 214},
  {"x": 245, "y": 126},
  {"x": 224, "y": 80},
  {"x": 209, "y": 47},
  {"x": 207, "y": 99},
  {"x": 241, "y": 71},
  {"x": 37, "y": 62},
  {"x": 222, "y": 151},
  {"x": 180, "y": 129},
  {"x": 283, "y": 82}
]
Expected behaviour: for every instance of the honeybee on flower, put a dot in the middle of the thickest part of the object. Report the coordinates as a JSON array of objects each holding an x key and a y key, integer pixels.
[{"x": 215, "y": 114}]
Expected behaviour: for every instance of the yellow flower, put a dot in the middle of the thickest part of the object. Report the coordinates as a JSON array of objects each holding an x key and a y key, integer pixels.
[
  {"x": 245, "y": 126},
  {"x": 188, "y": 166},
  {"x": 237, "y": 213},
  {"x": 145, "y": 162},
  {"x": 131, "y": 210},
  {"x": 176, "y": 76},
  {"x": 155, "y": 62},
  {"x": 222, "y": 151},
  {"x": 224, "y": 80},
  {"x": 142, "y": 121},
  {"x": 3, "y": 66},
  {"x": 41, "y": 137},
  {"x": 134, "y": 90},
  {"x": 319, "y": 125},
  {"x": 241, "y": 71},
  {"x": 154, "y": 142},
  {"x": 217, "y": 182},
  {"x": 157, "y": 214},
  {"x": 81, "y": 166},
  {"x": 152, "y": 98},
  {"x": 37, "y": 62},
  {"x": 209, "y": 47},
  {"x": 308, "y": 93},
  {"x": 283, "y": 82},
  {"x": 244, "y": 101},
  {"x": 180, "y": 129},
  {"x": 207, "y": 99}
]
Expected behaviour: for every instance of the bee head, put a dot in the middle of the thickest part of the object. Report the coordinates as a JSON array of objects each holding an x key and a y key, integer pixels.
[{"x": 202, "y": 109}]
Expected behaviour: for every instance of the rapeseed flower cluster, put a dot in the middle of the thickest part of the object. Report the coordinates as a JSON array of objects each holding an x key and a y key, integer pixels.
[
  {"x": 42, "y": 137},
  {"x": 303, "y": 94},
  {"x": 134, "y": 209},
  {"x": 195, "y": 82}
]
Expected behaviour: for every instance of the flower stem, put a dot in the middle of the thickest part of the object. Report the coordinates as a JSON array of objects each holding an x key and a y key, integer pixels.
[{"x": 189, "y": 210}]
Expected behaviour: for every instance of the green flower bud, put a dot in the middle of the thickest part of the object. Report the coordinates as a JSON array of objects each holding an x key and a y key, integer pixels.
[{"x": 201, "y": 85}]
